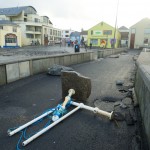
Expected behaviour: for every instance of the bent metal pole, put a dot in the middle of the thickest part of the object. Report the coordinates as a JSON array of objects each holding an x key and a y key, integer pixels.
[
  {"x": 50, "y": 126},
  {"x": 95, "y": 110}
]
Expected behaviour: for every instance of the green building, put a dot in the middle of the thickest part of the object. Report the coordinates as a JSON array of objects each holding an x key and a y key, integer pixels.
[{"x": 102, "y": 35}]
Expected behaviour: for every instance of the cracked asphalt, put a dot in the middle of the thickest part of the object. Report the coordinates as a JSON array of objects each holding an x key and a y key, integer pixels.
[{"x": 25, "y": 99}]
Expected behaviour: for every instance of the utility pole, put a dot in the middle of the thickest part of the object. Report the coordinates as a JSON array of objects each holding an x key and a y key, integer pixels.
[{"x": 115, "y": 25}]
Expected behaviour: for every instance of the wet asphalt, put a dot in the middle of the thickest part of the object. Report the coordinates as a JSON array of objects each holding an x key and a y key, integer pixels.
[{"x": 27, "y": 98}]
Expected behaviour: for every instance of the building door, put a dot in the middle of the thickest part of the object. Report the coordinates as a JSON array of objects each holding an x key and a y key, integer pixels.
[
  {"x": 45, "y": 40},
  {"x": 132, "y": 40}
]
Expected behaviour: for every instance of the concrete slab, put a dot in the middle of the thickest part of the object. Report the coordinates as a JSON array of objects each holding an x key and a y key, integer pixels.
[
  {"x": 2, "y": 75},
  {"x": 24, "y": 69},
  {"x": 74, "y": 59},
  {"x": 80, "y": 58},
  {"x": 12, "y": 72},
  {"x": 67, "y": 60},
  {"x": 51, "y": 62},
  {"x": 86, "y": 57},
  {"x": 40, "y": 65}
]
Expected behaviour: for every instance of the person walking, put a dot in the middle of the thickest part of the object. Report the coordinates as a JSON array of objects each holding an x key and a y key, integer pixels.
[{"x": 90, "y": 45}]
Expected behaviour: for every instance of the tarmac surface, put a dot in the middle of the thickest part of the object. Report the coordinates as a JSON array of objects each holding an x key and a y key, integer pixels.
[{"x": 27, "y": 98}]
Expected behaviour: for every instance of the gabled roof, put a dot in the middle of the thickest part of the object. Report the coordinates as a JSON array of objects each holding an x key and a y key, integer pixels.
[
  {"x": 13, "y": 11},
  {"x": 101, "y": 23},
  {"x": 123, "y": 28},
  {"x": 84, "y": 33},
  {"x": 143, "y": 20},
  {"x": 75, "y": 33},
  {"x": 7, "y": 22}
]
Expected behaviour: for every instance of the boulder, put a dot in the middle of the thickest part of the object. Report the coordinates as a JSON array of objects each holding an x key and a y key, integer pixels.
[
  {"x": 74, "y": 80},
  {"x": 56, "y": 69}
]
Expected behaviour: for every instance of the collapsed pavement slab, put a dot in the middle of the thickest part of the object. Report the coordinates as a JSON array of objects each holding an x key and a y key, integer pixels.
[{"x": 74, "y": 80}]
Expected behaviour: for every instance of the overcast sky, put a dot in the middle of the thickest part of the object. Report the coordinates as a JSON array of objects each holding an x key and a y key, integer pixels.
[{"x": 77, "y": 14}]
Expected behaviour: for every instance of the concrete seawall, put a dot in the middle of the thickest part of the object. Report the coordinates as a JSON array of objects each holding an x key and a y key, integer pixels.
[
  {"x": 108, "y": 52},
  {"x": 142, "y": 89},
  {"x": 15, "y": 70}
]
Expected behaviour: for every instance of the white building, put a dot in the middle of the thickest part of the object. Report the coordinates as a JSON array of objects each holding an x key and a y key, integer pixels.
[
  {"x": 35, "y": 29},
  {"x": 66, "y": 34},
  {"x": 139, "y": 34}
]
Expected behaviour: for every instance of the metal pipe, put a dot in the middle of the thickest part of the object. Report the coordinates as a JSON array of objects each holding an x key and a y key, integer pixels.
[
  {"x": 67, "y": 98},
  {"x": 50, "y": 126},
  {"x": 95, "y": 110},
  {"x": 10, "y": 133}
]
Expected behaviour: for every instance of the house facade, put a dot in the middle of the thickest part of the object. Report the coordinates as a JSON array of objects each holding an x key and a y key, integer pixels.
[
  {"x": 104, "y": 35},
  {"x": 35, "y": 29},
  {"x": 10, "y": 35},
  {"x": 139, "y": 34},
  {"x": 124, "y": 31},
  {"x": 75, "y": 37},
  {"x": 66, "y": 34}
]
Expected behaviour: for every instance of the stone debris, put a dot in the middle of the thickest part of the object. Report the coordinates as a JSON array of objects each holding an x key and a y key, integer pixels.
[
  {"x": 117, "y": 103},
  {"x": 57, "y": 69},
  {"x": 118, "y": 116},
  {"x": 74, "y": 80},
  {"x": 122, "y": 105},
  {"x": 127, "y": 101},
  {"x": 135, "y": 57},
  {"x": 119, "y": 82},
  {"x": 114, "y": 56}
]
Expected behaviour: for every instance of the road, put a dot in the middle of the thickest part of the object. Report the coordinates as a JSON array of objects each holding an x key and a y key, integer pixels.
[{"x": 24, "y": 99}]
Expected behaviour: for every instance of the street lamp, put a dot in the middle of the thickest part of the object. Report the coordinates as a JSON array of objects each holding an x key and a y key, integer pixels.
[{"x": 115, "y": 25}]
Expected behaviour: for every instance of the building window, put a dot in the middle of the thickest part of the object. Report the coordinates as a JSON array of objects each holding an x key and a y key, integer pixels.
[
  {"x": 51, "y": 32},
  {"x": 30, "y": 36},
  {"x": 66, "y": 31},
  {"x": 91, "y": 32},
  {"x": 51, "y": 38},
  {"x": 146, "y": 31},
  {"x": 10, "y": 38},
  {"x": 36, "y": 20},
  {"x": 94, "y": 41},
  {"x": 1, "y": 27},
  {"x": 107, "y": 32},
  {"x": 145, "y": 40},
  {"x": 56, "y": 33},
  {"x": 14, "y": 29},
  {"x": 45, "y": 30},
  {"x": 132, "y": 30},
  {"x": 25, "y": 19}
]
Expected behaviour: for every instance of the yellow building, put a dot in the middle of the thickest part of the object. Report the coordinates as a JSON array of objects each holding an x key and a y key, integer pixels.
[
  {"x": 102, "y": 35},
  {"x": 10, "y": 34}
]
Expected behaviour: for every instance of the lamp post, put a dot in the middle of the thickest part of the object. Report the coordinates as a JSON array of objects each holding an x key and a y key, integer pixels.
[{"x": 115, "y": 25}]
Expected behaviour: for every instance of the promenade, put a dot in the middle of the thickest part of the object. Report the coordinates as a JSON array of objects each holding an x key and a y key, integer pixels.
[{"x": 22, "y": 100}]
